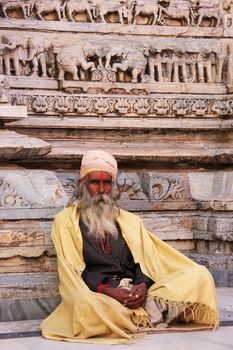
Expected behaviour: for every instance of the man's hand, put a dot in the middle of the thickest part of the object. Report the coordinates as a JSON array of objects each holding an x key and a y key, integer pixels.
[
  {"x": 131, "y": 298},
  {"x": 119, "y": 294},
  {"x": 137, "y": 296}
]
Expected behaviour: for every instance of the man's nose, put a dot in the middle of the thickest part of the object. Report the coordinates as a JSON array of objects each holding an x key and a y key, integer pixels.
[{"x": 101, "y": 187}]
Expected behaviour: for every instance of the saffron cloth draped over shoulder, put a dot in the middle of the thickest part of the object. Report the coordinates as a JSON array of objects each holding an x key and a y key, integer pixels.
[{"x": 86, "y": 316}]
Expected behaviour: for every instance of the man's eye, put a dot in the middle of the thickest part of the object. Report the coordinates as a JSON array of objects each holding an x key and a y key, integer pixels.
[
  {"x": 108, "y": 182},
  {"x": 94, "y": 182}
]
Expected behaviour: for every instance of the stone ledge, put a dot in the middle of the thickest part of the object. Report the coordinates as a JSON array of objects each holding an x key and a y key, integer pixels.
[
  {"x": 153, "y": 152},
  {"x": 113, "y": 28},
  {"x": 37, "y": 124},
  {"x": 157, "y": 105},
  {"x": 14, "y": 146},
  {"x": 30, "y": 322},
  {"x": 12, "y": 113}
]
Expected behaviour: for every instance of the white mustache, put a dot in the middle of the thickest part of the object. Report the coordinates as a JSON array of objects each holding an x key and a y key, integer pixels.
[{"x": 101, "y": 198}]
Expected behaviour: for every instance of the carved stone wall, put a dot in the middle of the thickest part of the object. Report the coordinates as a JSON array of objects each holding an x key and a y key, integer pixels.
[{"x": 149, "y": 81}]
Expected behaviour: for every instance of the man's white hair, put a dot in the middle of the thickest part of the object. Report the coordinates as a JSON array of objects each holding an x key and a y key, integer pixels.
[{"x": 98, "y": 212}]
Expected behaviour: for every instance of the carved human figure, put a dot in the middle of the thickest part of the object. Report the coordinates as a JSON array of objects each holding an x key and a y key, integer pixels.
[
  {"x": 179, "y": 66},
  {"x": 71, "y": 7},
  {"x": 204, "y": 65},
  {"x": 230, "y": 65},
  {"x": 191, "y": 67},
  {"x": 1, "y": 58},
  {"x": 47, "y": 6},
  {"x": 155, "y": 65},
  {"x": 10, "y": 48},
  {"x": 228, "y": 17},
  {"x": 221, "y": 56},
  {"x": 4, "y": 85},
  {"x": 73, "y": 59},
  {"x": 38, "y": 56},
  {"x": 133, "y": 60},
  {"x": 167, "y": 64},
  {"x": 209, "y": 9},
  {"x": 25, "y": 6},
  {"x": 179, "y": 10},
  {"x": 148, "y": 8}
]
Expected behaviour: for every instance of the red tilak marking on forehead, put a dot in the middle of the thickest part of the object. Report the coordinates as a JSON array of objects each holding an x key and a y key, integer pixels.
[{"x": 102, "y": 176}]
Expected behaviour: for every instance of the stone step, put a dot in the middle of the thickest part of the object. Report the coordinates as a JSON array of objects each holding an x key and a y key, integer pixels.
[
  {"x": 14, "y": 146},
  {"x": 131, "y": 129},
  {"x": 10, "y": 113},
  {"x": 220, "y": 265},
  {"x": 106, "y": 123},
  {"x": 30, "y": 327},
  {"x": 67, "y": 152}
]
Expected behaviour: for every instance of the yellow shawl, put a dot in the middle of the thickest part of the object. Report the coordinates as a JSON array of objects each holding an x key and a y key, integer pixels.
[{"x": 85, "y": 316}]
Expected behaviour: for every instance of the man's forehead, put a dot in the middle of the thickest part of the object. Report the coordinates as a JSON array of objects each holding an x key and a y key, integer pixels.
[{"x": 100, "y": 175}]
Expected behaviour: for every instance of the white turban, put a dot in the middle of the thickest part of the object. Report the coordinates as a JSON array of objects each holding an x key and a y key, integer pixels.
[{"x": 98, "y": 160}]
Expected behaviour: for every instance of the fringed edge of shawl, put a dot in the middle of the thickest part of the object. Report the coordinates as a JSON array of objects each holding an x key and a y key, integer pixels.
[
  {"x": 184, "y": 313},
  {"x": 194, "y": 312}
]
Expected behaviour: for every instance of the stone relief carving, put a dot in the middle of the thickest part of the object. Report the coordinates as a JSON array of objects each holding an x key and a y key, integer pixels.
[
  {"x": 149, "y": 9},
  {"x": 4, "y": 86},
  {"x": 148, "y": 12},
  {"x": 9, "y": 196},
  {"x": 230, "y": 67},
  {"x": 181, "y": 10},
  {"x": 42, "y": 7},
  {"x": 38, "y": 52},
  {"x": 179, "y": 65},
  {"x": 137, "y": 186},
  {"x": 133, "y": 186},
  {"x": 32, "y": 57},
  {"x": 73, "y": 7},
  {"x": 25, "y": 6},
  {"x": 86, "y": 61},
  {"x": 133, "y": 60},
  {"x": 74, "y": 59},
  {"x": 30, "y": 189},
  {"x": 129, "y": 187},
  {"x": 123, "y": 8},
  {"x": 208, "y": 9},
  {"x": 123, "y": 105},
  {"x": 166, "y": 186},
  {"x": 10, "y": 55},
  {"x": 228, "y": 16}
]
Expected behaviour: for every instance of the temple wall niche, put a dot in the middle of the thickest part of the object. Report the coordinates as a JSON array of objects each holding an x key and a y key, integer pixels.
[{"x": 150, "y": 81}]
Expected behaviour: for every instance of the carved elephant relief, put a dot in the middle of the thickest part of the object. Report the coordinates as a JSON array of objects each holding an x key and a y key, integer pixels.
[
  {"x": 132, "y": 60},
  {"x": 73, "y": 59}
]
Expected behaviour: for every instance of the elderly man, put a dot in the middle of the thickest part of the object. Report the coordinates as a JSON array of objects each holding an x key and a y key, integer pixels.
[{"x": 117, "y": 279}]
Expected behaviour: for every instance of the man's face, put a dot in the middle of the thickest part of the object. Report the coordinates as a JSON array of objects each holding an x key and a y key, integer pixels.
[{"x": 99, "y": 182}]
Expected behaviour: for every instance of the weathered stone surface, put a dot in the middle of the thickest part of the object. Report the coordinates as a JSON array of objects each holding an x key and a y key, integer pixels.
[
  {"x": 189, "y": 15},
  {"x": 56, "y": 127},
  {"x": 123, "y": 105},
  {"x": 30, "y": 189},
  {"x": 89, "y": 65},
  {"x": 30, "y": 285},
  {"x": 154, "y": 88},
  {"x": 65, "y": 152},
  {"x": 212, "y": 227},
  {"x": 12, "y": 113},
  {"x": 8, "y": 112},
  {"x": 14, "y": 146},
  {"x": 27, "y": 309},
  {"x": 211, "y": 185},
  {"x": 22, "y": 238}
]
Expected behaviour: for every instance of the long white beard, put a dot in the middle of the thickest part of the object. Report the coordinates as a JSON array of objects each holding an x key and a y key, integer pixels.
[{"x": 98, "y": 214}]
